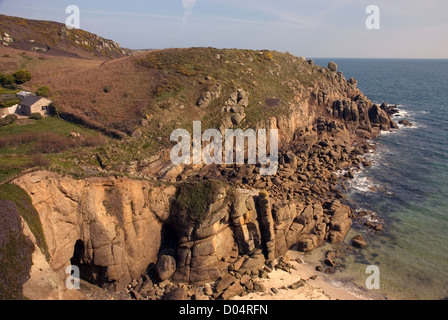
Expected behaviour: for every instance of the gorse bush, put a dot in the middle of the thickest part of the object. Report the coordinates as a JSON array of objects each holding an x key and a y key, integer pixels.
[
  {"x": 36, "y": 116},
  {"x": 19, "y": 77},
  {"x": 7, "y": 80},
  {"x": 22, "y": 76},
  {"x": 43, "y": 91},
  {"x": 9, "y": 119}
]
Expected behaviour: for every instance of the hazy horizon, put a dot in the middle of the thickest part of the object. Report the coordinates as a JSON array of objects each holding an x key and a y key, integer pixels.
[{"x": 318, "y": 29}]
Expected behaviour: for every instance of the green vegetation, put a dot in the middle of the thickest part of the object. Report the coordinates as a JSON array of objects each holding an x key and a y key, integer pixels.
[
  {"x": 36, "y": 116},
  {"x": 7, "y": 91},
  {"x": 195, "y": 197},
  {"x": 9, "y": 119},
  {"x": 7, "y": 80},
  {"x": 15, "y": 253},
  {"x": 44, "y": 143},
  {"x": 53, "y": 109},
  {"x": 11, "y": 80},
  {"x": 21, "y": 76},
  {"x": 23, "y": 203},
  {"x": 43, "y": 91},
  {"x": 9, "y": 103}
]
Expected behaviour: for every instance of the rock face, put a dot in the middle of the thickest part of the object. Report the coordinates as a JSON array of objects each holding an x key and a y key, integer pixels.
[
  {"x": 114, "y": 228},
  {"x": 110, "y": 228}
]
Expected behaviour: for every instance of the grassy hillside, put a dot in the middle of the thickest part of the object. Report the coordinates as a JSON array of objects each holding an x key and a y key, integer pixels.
[
  {"x": 46, "y": 143},
  {"x": 155, "y": 92},
  {"x": 52, "y": 38},
  {"x": 144, "y": 96}
]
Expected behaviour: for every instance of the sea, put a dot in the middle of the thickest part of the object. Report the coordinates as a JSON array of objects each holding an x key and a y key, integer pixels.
[{"x": 406, "y": 188}]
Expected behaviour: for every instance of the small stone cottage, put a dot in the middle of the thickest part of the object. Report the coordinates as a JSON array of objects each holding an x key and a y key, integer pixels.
[{"x": 34, "y": 104}]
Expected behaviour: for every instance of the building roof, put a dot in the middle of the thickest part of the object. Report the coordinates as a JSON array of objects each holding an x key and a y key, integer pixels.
[
  {"x": 24, "y": 93},
  {"x": 28, "y": 101}
]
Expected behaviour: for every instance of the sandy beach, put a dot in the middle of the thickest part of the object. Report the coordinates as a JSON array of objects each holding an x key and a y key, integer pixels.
[{"x": 318, "y": 286}]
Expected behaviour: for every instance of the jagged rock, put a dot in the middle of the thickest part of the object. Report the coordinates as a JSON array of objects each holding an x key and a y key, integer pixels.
[
  {"x": 340, "y": 221},
  {"x": 256, "y": 261},
  {"x": 225, "y": 282},
  {"x": 245, "y": 279},
  {"x": 237, "y": 118},
  {"x": 235, "y": 266},
  {"x": 208, "y": 289},
  {"x": 165, "y": 267},
  {"x": 380, "y": 118},
  {"x": 234, "y": 290}
]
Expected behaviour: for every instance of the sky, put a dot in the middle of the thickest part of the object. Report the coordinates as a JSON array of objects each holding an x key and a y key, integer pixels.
[{"x": 310, "y": 28}]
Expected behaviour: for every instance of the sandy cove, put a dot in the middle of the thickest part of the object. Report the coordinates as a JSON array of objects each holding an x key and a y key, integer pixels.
[{"x": 318, "y": 285}]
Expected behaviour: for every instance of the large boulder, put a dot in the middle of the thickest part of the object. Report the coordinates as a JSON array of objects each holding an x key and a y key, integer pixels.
[
  {"x": 177, "y": 294},
  {"x": 332, "y": 66},
  {"x": 165, "y": 267}
]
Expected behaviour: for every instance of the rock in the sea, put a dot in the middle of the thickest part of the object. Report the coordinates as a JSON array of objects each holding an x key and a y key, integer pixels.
[
  {"x": 405, "y": 123},
  {"x": 359, "y": 242},
  {"x": 165, "y": 267}
]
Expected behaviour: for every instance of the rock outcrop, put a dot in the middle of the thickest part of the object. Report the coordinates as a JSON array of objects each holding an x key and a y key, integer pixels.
[
  {"x": 111, "y": 228},
  {"x": 114, "y": 228}
]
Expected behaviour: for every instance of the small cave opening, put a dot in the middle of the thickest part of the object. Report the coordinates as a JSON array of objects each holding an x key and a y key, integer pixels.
[
  {"x": 87, "y": 270},
  {"x": 169, "y": 242}
]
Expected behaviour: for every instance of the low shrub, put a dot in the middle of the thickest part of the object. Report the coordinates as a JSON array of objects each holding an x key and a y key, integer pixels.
[
  {"x": 36, "y": 116},
  {"x": 9, "y": 119},
  {"x": 43, "y": 91},
  {"x": 21, "y": 76}
]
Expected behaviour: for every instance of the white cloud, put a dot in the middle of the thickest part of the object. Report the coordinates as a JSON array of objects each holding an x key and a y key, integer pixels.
[{"x": 188, "y": 6}]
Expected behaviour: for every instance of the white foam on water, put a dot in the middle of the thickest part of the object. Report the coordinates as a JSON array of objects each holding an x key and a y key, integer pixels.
[
  {"x": 362, "y": 183},
  {"x": 386, "y": 133},
  {"x": 351, "y": 288}
]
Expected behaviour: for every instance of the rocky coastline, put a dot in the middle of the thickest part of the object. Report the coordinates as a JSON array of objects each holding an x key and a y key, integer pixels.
[{"x": 202, "y": 232}]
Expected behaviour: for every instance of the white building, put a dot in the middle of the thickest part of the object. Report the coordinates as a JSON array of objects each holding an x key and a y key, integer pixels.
[{"x": 23, "y": 94}]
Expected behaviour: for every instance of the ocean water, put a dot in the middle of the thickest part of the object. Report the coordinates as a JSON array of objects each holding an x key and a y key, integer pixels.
[{"x": 407, "y": 186}]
